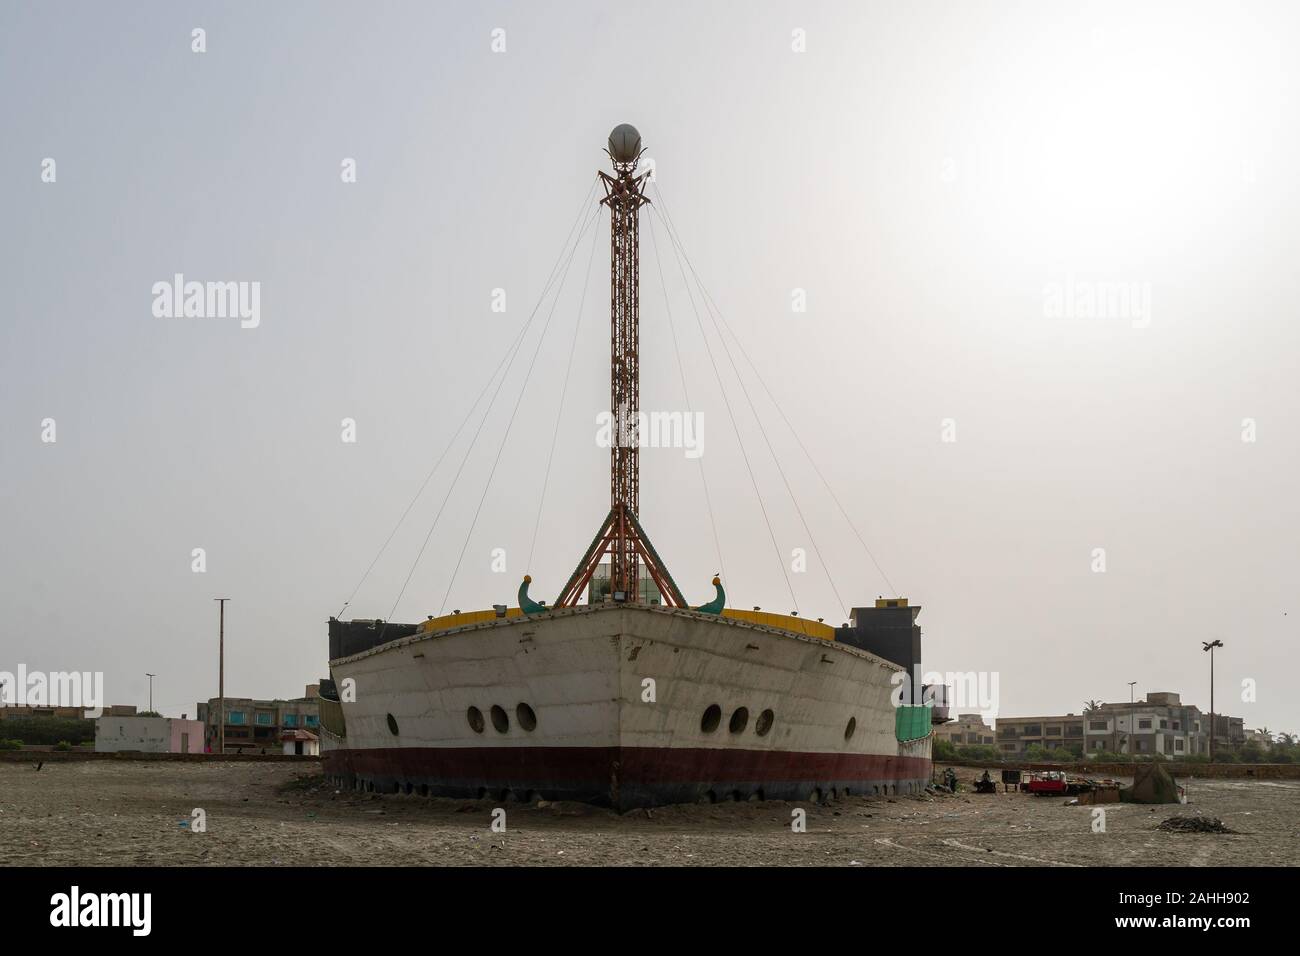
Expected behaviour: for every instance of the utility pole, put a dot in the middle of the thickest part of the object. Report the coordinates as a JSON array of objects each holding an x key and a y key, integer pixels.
[
  {"x": 1132, "y": 720},
  {"x": 1210, "y": 646},
  {"x": 221, "y": 677},
  {"x": 151, "y": 677}
]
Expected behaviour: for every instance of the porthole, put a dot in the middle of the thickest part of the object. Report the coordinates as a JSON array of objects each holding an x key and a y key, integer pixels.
[
  {"x": 392, "y": 725},
  {"x": 475, "y": 718},
  {"x": 850, "y": 728},
  {"x": 499, "y": 719},
  {"x": 527, "y": 719},
  {"x": 764, "y": 723},
  {"x": 712, "y": 717},
  {"x": 739, "y": 720}
]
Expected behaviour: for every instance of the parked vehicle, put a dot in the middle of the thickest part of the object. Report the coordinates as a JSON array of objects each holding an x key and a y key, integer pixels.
[{"x": 1047, "y": 783}]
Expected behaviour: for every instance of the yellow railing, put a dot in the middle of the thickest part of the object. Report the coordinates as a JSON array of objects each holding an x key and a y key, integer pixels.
[
  {"x": 464, "y": 619},
  {"x": 785, "y": 622}
]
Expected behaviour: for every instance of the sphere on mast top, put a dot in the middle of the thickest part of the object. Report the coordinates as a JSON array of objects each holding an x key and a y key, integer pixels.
[{"x": 624, "y": 143}]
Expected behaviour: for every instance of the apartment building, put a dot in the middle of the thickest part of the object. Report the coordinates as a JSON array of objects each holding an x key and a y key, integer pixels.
[
  {"x": 1016, "y": 734},
  {"x": 1159, "y": 724},
  {"x": 966, "y": 729},
  {"x": 258, "y": 726}
]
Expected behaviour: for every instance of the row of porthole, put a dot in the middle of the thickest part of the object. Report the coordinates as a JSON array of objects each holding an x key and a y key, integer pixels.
[
  {"x": 739, "y": 720},
  {"x": 524, "y": 715},
  {"x": 763, "y": 726},
  {"x": 527, "y": 719}
]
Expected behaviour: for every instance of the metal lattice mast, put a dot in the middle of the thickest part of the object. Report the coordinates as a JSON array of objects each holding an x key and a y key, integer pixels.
[
  {"x": 624, "y": 196},
  {"x": 621, "y": 535}
]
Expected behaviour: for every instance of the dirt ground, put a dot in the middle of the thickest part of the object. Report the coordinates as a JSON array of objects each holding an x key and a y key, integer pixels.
[{"x": 269, "y": 814}]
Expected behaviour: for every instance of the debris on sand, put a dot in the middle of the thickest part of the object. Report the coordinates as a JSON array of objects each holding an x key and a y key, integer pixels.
[{"x": 1194, "y": 825}]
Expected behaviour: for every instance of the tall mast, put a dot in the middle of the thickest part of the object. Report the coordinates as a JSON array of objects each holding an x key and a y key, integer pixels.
[
  {"x": 621, "y": 534},
  {"x": 624, "y": 195}
]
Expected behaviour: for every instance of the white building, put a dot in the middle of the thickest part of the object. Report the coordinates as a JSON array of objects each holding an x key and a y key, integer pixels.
[
  {"x": 1160, "y": 724},
  {"x": 155, "y": 735},
  {"x": 300, "y": 743}
]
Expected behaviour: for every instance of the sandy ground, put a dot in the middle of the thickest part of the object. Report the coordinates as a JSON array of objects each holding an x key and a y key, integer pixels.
[{"x": 96, "y": 813}]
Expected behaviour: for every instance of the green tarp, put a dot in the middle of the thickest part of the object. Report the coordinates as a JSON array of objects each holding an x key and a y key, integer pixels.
[
  {"x": 1151, "y": 784},
  {"x": 912, "y": 722}
]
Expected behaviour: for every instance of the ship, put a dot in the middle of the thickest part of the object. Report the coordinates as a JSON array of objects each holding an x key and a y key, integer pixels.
[{"x": 621, "y": 693}]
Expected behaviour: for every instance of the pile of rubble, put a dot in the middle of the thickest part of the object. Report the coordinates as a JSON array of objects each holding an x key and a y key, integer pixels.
[{"x": 1194, "y": 825}]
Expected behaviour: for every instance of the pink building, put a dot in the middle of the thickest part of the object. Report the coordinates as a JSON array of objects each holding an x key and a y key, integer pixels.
[{"x": 155, "y": 735}]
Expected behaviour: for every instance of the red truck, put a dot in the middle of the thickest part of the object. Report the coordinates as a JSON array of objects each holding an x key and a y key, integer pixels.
[{"x": 1048, "y": 783}]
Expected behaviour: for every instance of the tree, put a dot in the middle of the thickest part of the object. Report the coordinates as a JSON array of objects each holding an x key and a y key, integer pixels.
[
  {"x": 978, "y": 752},
  {"x": 1038, "y": 753},
  {"x": 943, "y": 750}
]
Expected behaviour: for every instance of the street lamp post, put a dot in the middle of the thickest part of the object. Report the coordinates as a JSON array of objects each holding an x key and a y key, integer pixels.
[
  {"x": 1132, "y": 720},
  {"x": 1210, "y": 646},
  {"x": 151, "y": 677},
  {"x": 221, "y": 677}
]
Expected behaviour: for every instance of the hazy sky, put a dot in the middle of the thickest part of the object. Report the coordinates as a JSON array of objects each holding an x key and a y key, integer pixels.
[{"x": 948, "y": 184}]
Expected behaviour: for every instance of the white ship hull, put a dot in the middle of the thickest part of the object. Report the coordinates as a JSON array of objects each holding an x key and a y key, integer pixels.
[{"x": 616, "y": 704}]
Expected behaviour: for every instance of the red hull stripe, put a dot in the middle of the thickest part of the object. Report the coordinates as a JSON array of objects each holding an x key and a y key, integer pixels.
[{"x": 646, "y": 765}]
